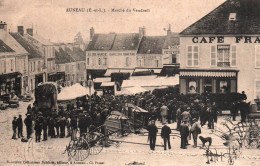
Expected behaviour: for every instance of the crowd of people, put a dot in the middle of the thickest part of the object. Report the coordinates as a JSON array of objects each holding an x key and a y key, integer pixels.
[{"x": 90, "y": 112}]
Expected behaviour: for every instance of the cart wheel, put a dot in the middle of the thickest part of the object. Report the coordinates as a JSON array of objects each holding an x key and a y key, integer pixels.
[
  {"x": 230, "y": 161},
  {"x": 79, "y": 150},
  {"x": 97, "y": 143}
]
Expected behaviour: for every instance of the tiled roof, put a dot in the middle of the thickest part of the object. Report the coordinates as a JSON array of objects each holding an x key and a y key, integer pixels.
[
  {"x": 33, "y": 52},
  {"x": 217, "y": 22},
  {"x": 62, "y": 57},
  {"x": 102, "y": 42},
  {"x": 78, "y": 54},
  {"x": 126, "y": 41},
  {"x": 171, "y": 40},
  {"x": 151, "y": 45},
  {"x": 12, "y": 43},
  {"x": 41, "y": 39},
  {"x": 4, "y": 47}
]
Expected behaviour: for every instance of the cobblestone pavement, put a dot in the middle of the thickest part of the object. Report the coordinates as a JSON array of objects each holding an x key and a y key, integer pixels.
[{"x": 50, "y": 152}]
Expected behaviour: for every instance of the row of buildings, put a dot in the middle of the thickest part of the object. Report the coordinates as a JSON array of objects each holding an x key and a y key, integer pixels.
[
  {"x": 27, "y": 59},
  {"x": 220, "y": 53}
]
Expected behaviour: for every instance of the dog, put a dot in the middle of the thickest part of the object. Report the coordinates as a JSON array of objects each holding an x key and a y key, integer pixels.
[{"x": 205, "y": 140}]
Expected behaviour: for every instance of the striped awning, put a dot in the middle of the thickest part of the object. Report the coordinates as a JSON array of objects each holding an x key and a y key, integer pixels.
[{"x": 208, "y": 74}]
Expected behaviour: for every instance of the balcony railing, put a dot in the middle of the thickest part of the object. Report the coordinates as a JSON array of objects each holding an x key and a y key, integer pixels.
[{"x": 223, "y": 64}]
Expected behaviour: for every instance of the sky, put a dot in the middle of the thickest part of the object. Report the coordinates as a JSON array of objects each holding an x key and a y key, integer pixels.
[{"x": 51, "y": 20}]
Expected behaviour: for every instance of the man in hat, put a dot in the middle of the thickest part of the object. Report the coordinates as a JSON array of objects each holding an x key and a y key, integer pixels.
[
  {"x": 28, "y": 124},
  {"x": 165, "y": 134},
  {"x": 164, "y": 112},
  {"x": 20, "y": 126},
  {"x": 178, "y": 115},
  {"x": 185, "y": 116},
  {"x": 45, "y": 127},
  {"x": 152, "y": 129},
  {"x": 195, "y": 130},
  {"x": 184, "y": 132},
  {"x": 14, "y": 126}
]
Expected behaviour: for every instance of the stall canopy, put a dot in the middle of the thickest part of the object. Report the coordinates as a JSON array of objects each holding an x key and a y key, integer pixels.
[
  {"x": 73, "y": 92},
  {"x": 135, "y": 108},
  {"x": 107, "y": 84},
  {"x": 131, "y": 90}
]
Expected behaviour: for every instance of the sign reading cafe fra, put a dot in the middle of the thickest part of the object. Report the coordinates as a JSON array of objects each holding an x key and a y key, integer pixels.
[{"x": 221, "y": 39}]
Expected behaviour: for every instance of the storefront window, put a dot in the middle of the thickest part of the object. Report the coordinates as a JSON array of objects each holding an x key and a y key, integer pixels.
[
  {"x": 223, "y": 86},
  {"x": 208, "y": 85},
  {"x": 192, "y": 85}
]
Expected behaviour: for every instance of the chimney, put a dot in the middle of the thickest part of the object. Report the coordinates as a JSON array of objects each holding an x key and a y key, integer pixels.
[
  {"x": 141, "y": 34},
  {"x": 3, "y": 25},
  {"x": 29, "y": 31},
  {"x": 144, "y": 31},
  {"x": 169, "y": 30},
  {"x": 92, "y": 32},
  {"x": 20, "y": 30}
]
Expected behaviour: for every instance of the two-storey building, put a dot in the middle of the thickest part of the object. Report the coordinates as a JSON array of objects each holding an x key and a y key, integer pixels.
[
  {"x": 47, "y": 49},
  {"x": 220, "y": 53},
  {"x": 13, "y": 64},
  {"x": 35, "y": 61}
]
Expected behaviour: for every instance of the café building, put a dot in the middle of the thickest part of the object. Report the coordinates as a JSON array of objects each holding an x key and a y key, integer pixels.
[{"x": 220, "y": 53}]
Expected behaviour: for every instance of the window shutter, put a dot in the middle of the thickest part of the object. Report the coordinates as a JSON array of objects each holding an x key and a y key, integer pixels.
[
  {"x": 189, "y": 56},
  {"x": 196, "y": 55},
  {"x": 233, "y": 55},
  {"x": 257, "y": 56},
  {"x": 213, "y": 54}
]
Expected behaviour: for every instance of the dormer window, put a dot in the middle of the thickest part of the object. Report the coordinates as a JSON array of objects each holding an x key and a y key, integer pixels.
[{"x": 232, "y": 16}]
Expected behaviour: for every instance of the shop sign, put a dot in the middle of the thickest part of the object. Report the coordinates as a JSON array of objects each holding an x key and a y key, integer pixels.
[{"x": 221, "y": 39}]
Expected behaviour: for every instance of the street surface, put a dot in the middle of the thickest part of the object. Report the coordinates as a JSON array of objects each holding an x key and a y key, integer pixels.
[{"x": 50, "y": 152}]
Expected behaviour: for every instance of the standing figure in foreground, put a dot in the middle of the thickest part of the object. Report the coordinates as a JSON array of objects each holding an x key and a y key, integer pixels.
[
  {"x": 165, "y": 134},
  {"x": 195, "y": 131},
  {"x": 184, "y": 131},
  {"x": 14, "y": 126},
  {"x": 152, "y": 129}
]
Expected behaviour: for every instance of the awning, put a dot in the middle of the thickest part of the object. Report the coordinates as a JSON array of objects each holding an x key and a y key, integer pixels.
[
  {"x": 208, "y": 73},
  {"x": 127, "y": 71},
  {"x": 102, "y": 79},
  {"x": 109, "y": 71},
  {"x": 157, "y": 71},
  {"x": 4, "y": 77},
  {"x": 107, "y": 84}
]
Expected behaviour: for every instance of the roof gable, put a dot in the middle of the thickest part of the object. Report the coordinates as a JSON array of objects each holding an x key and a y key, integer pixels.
[
  {"x": 101, "y": 42},
  {"x": 172, "y": 39},
  {"x": 151, "y": 45},
  {"x": 126, "y": 41},
  {"x": 33, "y": 52},
  {"x": 4, "y": 47},
  {"x": 62, "y": 57},
  {"x": 217, "y": 21}
]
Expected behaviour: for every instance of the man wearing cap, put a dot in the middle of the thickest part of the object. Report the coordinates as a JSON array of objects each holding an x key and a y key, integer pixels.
[
  {"x": 14, "y": 126},
  {"x": 165, "y": 134},
  {"x": 28, "y": 124},
  {"x": 152, "y": 129},
  {"x": 20, "y": 126},
  {"x": 195, "y": 130}
]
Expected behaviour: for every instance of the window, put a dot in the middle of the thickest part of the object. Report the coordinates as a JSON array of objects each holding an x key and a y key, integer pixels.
[
  {"x": 174, "y": 58},
  {"x": 39, "y": 65},
  {"x": 99, "y": 61},
  {"x": 223, "y": 55},
  {"x": 232, "y": 16},
  {"x": 87, "y": 61},
  {"x": 31, "y": 67},
  {"x": 156, "y": 62},
  {"x": 192, "y": 55},
  {"x": 234, "y": 55},
  {"x": 105, "y": 61},
  {"x": 257, "y": 56},
  {"x": 192, "y": 86},
  {"x": 257, "y": 89},
  {"x": 34, "y": 66},
  {"x": 127, "y": 61},
  {"x": 207, "y": 85},
  {"x": 53, "y": 65},
  {"x": 140, "y": 62},
  {"x": 223, "y": 86},
  {"x": 12, "y": 65}
]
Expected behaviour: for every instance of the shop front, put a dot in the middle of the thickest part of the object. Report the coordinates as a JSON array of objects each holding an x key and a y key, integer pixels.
[
  {"x": 10, "y": 83},
  {"x": 208, "y": 81}
]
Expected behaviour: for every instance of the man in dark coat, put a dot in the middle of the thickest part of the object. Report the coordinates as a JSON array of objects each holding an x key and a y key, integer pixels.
[
  {"x": 195, "y": 130},
  {"x": 20, "y": 126},
  {"x": 45, "y": 127},
  {"x": 152, "y": 129},
  {"x": 62, "y": 127},
  {"x": 165, "y": 134},
  {"x": 74, "y": 127},
  {"x": 51, "y": 127},
  {"x": 28, "y": 124},
  {"x": 178, "y": 115},
  {"x": 57, "y": 126},
  {"x": 38, "y": 129},
  {"x": 14, "y": 126},
  {"x": 184, "y": 131}
]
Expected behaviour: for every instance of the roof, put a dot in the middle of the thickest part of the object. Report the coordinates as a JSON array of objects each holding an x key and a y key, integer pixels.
[
  {"x": 217, "y": 21},
  {"x": 62, "y": 57},
  {"x": 114, "y": 41},
  {"x": 102, "y": 42},
  {"x": 41, "y": 39},
  {"x": 4, "y": 47},
  {"x": 33, "y": 52},
  {"x": 151, "y": 45},
  {"x": 126, "y": 41},
  {"x": 171, "y": 40},
  {"x": 78, "y": 54},
  {"x": 8, "y": 40}
]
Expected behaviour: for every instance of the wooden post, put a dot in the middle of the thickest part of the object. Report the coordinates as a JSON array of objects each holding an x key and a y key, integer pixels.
[{"x": 105, "y": 143}]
